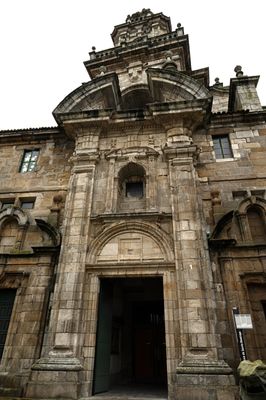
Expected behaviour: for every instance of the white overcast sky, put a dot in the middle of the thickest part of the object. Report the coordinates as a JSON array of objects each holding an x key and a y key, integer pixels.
[{"x": 44, "y": 44}]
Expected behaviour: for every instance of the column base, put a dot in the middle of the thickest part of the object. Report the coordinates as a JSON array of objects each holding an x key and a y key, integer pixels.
[
  {"x": 205, "y": 380},
  {"x": 57, "y": 375},
  {"x": 11, "y": 384}
]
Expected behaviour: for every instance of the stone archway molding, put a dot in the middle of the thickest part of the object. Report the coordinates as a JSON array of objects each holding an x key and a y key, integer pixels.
[
  {"x": 251, "y": 201},
  {"x": 18, "y": 214},
  {"x": 161, "y": 238}
]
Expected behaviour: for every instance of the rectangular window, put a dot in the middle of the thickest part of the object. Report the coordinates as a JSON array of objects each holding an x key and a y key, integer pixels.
[
  {"x": 27, "y": 204},
  {"x": 222, "y": 147},
  {"x": 29, "y": 161},
  {"x": 5, "y": 203}
]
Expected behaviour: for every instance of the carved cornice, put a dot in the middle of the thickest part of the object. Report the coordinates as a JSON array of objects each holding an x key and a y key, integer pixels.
[
  {"x": 137, "y": 152},
  {"x": 192, "y": 113}
]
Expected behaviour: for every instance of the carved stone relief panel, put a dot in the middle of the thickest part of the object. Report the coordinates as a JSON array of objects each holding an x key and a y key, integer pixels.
[{"x": 130, "y": 247}]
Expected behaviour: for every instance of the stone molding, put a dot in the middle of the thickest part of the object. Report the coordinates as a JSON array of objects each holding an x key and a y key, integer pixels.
[
  {"x": 205, "y": 367},
  {"x": 137, "y": 152},
  {"x": 60, "y": 359},
  {"x": 178, "y": 81},
  {"x": 20, "y": 215},
  {"x": 158, "y": 235}
]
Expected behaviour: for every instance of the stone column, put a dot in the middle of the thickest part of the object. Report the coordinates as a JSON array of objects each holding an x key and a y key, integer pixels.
[
  {"x": 200, "y": 373},
  {"x": 65, "y": 330}
]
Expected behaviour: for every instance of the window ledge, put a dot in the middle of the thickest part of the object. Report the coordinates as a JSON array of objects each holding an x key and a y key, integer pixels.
[{"x": 225, "y": 159}]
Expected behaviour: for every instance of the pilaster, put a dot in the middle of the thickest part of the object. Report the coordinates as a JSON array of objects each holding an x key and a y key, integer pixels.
[
  {"x": 199, "y": 366},
  {"x": 65, "y": 330}
]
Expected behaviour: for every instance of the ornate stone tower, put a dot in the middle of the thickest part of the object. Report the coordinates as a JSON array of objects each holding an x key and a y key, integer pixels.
[{"x": 140, "y": 298}]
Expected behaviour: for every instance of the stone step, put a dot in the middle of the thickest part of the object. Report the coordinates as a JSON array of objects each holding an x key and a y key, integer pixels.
[{"x": 123, "y": 397}]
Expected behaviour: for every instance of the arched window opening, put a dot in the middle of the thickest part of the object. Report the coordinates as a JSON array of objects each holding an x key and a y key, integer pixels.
[
  {"x": 131, "y": 186},
  {"x": 256, "y": 224}
]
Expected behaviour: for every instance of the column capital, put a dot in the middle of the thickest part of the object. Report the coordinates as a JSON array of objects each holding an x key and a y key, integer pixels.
[{"x": 180, "y": 154}]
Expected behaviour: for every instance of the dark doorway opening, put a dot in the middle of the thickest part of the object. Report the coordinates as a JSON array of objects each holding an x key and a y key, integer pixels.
[
  {"x": 130, "y": 349},
  {"x": 7, "y": 297}
]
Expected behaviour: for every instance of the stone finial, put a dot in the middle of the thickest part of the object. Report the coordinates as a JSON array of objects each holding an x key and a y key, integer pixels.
[
  {"x": 238, "y": 71},
  {"x": 179, "y": 29},
  {"x": 217, "y": 82},
  {"x": 92, "y": 53}
]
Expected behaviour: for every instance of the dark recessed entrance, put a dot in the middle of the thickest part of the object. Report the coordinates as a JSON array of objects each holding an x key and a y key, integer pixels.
[
  {"x": 130, "y": 349},
  {"x": 7, "y": 298}
]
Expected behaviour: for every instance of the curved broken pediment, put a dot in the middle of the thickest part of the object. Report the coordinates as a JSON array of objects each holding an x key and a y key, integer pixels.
[
  {"x": 168, "y": 86},
  {"x": 101, "y": 93},
  {"x": 20, "y": 232},
  {"x": 104, "y": 93}
]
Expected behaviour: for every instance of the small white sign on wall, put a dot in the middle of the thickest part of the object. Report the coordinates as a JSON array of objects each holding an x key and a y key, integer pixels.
[{"x": 243, "y": 321}]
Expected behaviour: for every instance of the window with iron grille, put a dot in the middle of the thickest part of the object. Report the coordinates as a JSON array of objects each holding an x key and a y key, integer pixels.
[
  {"x": 222, "y": 147},
  {"x": 29, "y": 161}
]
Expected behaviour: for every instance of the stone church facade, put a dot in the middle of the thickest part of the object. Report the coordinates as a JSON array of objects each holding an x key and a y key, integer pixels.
[{"x": 129, "y": 232}]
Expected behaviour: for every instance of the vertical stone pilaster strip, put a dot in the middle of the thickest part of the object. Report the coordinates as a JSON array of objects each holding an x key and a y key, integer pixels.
[
  {"x": 196, "y": 303},
  {"x": 68, "y": 289},
  {"x": 89, "y": 331},
  {"x": 110, "y": 186},
  {"x": 171, "y": 325},
  {"x": 151, "y": 187}
]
